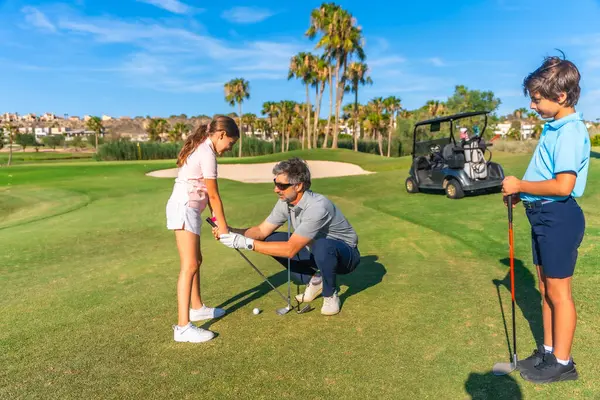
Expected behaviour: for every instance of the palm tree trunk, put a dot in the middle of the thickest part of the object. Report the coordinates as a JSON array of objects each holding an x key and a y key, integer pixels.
[
  {"x": 318, "y": 96},
  {"x": 272, "y": 132},
  {"x": 282, "y": 134},
  {"x": 330, "y": 109},
  {"x": 356, "y": 118},
  {"x": 337, "y": 104},
  {"x": 96, "y": 142},
  {"x": 241, "y": 133},
  {"x": 390, "y": 134},
  {"x": 380, "y": 142},
  {"x": 10, "y": 143},
  {"x": 308, "y": 137}
]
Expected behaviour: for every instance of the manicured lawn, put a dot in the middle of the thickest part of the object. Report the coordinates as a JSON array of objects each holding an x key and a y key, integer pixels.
[{"x": 88, "y": 274}]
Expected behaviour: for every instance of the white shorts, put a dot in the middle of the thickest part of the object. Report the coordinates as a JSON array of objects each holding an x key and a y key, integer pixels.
[{"x": 181, "y": 216}]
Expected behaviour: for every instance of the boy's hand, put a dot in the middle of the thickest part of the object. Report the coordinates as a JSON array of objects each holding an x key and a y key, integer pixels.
[
  {"x": 515, "y": 200},
  {"x": 511, "y": 185}
]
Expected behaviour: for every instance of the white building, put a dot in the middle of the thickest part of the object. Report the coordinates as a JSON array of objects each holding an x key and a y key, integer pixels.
[{"x": 502, "y": 129}]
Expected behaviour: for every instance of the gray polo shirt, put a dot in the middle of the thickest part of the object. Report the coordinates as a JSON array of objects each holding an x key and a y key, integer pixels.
[{"x": 315, "y": 217}]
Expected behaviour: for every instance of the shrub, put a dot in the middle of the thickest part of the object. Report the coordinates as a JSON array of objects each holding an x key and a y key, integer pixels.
[
  {"x": 596, "y": 141},
  {"x": 514, "y": 146}
]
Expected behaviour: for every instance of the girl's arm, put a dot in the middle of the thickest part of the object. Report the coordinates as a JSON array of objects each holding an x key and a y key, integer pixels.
[{"x": 216, "y": 205}]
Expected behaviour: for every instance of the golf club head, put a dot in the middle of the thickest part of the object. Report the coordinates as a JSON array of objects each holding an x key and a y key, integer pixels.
[
  {"x": 283, "y": 310},
  {"x": 305, "y": 309},
  {"x": 503, "y": 368}
]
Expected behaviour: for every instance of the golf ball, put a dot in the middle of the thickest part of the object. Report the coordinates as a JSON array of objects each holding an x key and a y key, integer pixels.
[{"x": 256, "y": 311}]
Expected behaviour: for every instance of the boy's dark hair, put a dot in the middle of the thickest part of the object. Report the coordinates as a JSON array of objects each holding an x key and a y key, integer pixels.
[
  {"x": 296, "y": 170},
  {"x": 553, "y": 77}
]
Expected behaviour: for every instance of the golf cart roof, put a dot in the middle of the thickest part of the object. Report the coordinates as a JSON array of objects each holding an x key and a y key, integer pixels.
[{"x": 451, "y": 117}]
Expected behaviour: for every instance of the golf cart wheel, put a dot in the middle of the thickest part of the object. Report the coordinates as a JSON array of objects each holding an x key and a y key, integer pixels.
[
  {"x": 411, "y": 185},
  {"x": 454, "y": 190}
]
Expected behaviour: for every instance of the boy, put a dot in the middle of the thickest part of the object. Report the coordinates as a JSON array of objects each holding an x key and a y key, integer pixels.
[{"x": 557, "y": 173}]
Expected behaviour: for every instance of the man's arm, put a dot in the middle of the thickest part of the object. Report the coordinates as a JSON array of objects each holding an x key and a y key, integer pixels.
[{"x": 282, "y": 249}]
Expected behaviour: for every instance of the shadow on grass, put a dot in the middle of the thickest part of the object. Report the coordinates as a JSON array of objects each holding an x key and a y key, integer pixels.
[
  {"x": 488, "y": 386},
  {"x": 595, "y": 154},
  {"x": 527, "y": 298},
  {"x": 368, "y": 273}
]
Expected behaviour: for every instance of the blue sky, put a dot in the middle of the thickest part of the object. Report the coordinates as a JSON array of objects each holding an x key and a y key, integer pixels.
[{"x": 163, "y": 57}]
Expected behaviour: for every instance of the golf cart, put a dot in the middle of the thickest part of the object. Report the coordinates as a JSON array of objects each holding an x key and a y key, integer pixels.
[{"x": 441, "y": 163}]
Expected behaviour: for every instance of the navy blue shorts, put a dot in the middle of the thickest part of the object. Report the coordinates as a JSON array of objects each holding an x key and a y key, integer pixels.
[{"x": 557, "y": 230}]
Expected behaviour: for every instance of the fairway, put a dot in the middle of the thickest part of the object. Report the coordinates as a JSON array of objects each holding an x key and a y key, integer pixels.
[{"x": 88, "y": 277}]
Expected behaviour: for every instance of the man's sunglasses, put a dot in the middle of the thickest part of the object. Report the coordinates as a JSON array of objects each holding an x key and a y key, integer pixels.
[{"x": 282, "y": 186}]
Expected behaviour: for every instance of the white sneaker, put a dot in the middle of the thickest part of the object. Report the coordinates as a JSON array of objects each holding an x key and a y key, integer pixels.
[
  {"x": 204, "y": 312},
  {"x": 310, "y": 293},
  {"x": 331, "y": 305},
  {"x": 191, "y": 333}
]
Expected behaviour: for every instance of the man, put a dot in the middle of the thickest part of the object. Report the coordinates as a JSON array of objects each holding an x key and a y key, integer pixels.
[{"x": 323, "y": 244}]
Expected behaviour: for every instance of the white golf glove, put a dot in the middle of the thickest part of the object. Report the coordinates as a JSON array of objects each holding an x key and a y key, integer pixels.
[{"x": 237, "y": 241}]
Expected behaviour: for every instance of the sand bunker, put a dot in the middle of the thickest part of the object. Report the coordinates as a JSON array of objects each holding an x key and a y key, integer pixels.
[{"x": 261, "y": 173}]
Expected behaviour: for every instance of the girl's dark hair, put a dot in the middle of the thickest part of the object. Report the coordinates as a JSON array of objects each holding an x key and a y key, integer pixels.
[
  {"x": 217, "y": 124},
  {"x": 552, "y": 78}
]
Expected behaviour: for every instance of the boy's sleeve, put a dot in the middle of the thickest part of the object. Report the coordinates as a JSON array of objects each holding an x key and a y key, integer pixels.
[{"x": 568, "y": 152}]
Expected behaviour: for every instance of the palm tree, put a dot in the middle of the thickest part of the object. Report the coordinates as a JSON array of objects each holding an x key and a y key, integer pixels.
[
  {"x": 270, "y": 110},
  {"x": 95, "y": 124},
  {"x": 376, "y": 118},
  {"x": 322, "y": 70},
  {"x": 236, "y": 91},
  {"x": 435, "y": 107},
  {"x": 179, "y": 129},
  {"x": 357, "y": 75},
  {"x": 392, "y": 106},
  {"x": 10, "y": 130},
  {"x": 519, "y": 112},
  {"x": 156, "y": 128},
  {"x": 341, "y": 41},
  {"x": 286, "y": 114},
  {"x": 250, "y": 120},
  {"x": 302, "y": 66},
  {"x": 263, "y": 126}
]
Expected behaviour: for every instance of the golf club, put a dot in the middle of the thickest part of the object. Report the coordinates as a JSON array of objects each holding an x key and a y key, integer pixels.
[
  {"x": 504, "y": 368},
  {"x": 279, "y": 311}
]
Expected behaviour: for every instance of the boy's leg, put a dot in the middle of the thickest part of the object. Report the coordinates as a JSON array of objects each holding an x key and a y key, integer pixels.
[
  {"x": 563, "y": 230},
  {"x": 564, "y": 316},
  {"x": 546, "y": 312}
]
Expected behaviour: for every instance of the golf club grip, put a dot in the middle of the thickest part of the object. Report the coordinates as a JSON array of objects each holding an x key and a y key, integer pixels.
[
  {"x": 509, "y": 203},
  {"x": 210, "y": 221}
]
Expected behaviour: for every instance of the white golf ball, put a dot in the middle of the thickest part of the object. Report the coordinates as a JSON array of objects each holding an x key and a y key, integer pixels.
[{"x": 256, "y": 311}]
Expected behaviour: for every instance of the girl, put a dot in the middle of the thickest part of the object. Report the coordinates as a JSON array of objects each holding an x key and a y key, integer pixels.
[{"x": 194, "y": 189}]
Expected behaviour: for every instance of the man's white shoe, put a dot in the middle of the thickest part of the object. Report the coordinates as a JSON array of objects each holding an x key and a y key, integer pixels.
[
  {"x": 310, "y": 293},
  {"x": 204, "y": 312},
  {"x": 191, "y": 333},
  {"x": 331, "y": 305}
]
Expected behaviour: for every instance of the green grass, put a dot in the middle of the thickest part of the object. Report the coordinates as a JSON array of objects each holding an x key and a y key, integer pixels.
[
  {"x": 21, "y": 157},
  {"x": 88, "y": 274}
]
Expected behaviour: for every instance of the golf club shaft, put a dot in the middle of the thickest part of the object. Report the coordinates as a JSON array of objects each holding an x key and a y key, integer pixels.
[
  {"x": 512, "y": 270},
  {"x": 252, "y": 265}
]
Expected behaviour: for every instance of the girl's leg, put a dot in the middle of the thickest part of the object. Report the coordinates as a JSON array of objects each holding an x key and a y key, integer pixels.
[
  {"x": 188, "y": 245},
  {"x": 196, "y": 297}
]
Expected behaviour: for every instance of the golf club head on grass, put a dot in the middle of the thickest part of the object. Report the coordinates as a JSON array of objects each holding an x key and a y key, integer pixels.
[
  {"x": 283, "y": 310},
  {"x": 503, "y": 368},
  {"x": 305, "y": 309}
]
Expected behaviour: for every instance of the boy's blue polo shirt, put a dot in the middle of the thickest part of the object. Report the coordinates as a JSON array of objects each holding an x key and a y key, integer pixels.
[{"x": 564, "y": 146}]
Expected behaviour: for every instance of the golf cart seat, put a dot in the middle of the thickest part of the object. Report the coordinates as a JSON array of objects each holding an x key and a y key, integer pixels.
[
  {"x": 454, "y": 156},
  {"x": 422, "y": 163}
]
